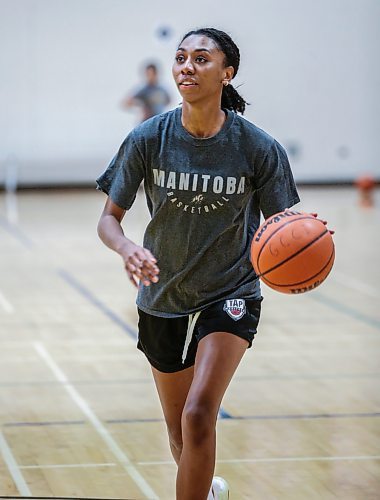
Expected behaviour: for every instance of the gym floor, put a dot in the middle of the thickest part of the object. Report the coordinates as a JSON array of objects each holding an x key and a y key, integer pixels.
[{"x": 79, "y": 414}]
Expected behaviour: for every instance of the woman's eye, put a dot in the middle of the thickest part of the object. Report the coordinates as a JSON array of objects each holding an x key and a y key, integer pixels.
[
  {"x": 179, "y": 59},
  {"x": 200, "y": 59}
]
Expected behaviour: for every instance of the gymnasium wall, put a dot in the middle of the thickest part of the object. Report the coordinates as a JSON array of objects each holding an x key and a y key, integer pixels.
[{"x": 310, "y": 70}]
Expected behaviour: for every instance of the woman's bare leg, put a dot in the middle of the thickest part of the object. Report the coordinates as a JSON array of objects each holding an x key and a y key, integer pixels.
[
  {"x": 218, "y": 356},
  {"x": 190, "y": 400},
  {"x": 173, "y": 389}
]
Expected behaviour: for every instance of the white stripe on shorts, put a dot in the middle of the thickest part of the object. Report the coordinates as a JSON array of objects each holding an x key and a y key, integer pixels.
[{"x": 189, "y": 335}]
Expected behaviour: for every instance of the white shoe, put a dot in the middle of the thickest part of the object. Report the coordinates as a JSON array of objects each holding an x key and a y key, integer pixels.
[{"x": 220, "y": 489}]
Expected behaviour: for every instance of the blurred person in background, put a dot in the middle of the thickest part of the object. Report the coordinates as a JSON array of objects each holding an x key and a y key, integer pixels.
[{"x": 152, "y": 98}]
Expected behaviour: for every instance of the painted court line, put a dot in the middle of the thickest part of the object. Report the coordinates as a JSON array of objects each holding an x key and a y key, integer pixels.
[
  {"x": 88, "y": 295},
  {"x": 226, "y": 416},
  {"x": 43, "y": 423},
  {"x": 355, "y": 284},
  {"x": 16, "y": 232},
  {"x": 223, "y": 415},
  {"x": 274, "y": 459},
  {"x": 239, "y": 378},
  {"x": 97, "y": 424},
  {"x": 345, "y": 309},
  {"x": 65, "y": 466},
  {"x": 13, "y": 467},
  {"x": 11, "y": 207},
  {"x": 5, "y": 304},
  {"x": 307, "y": 416}
]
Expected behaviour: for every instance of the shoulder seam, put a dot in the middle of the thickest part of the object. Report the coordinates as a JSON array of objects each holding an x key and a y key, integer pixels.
[{"x": 137, "y": 148}]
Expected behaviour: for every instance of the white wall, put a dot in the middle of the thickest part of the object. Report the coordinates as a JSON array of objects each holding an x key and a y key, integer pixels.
[{"x": 310, "y": 68}]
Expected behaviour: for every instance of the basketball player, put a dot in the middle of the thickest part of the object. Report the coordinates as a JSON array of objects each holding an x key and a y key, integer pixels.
[
  {"x": 152, "y": 97},
  {"x": 207, "y": 174}
]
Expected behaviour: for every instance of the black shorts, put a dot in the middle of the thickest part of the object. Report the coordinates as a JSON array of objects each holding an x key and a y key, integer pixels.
[{"x": 170, "y": 344}]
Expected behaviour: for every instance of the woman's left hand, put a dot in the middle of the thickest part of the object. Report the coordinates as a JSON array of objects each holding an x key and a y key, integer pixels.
[{"x": 314, "y": 214}]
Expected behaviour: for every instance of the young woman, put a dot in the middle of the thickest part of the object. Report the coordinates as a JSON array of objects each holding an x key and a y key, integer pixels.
[{"x": 207, "y": 174}]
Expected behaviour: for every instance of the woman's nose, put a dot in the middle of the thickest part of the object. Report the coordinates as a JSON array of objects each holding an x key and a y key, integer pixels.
[{"x": 188, "y": 67}]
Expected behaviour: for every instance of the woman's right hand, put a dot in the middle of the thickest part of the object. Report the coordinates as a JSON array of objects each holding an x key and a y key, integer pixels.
[{"x": 140, "y": 264}]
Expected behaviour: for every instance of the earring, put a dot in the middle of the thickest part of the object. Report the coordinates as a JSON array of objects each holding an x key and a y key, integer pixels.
[{"x": 225, "y": 83}]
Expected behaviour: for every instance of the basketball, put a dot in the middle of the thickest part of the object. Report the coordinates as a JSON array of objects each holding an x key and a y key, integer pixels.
[{"x": 292, "y": 252}]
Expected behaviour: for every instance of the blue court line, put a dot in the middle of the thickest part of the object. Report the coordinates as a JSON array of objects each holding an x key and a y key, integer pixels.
[
  {"x": 225, "y": 416},
  {"x": 349, "y": 311},
  {"x": 46, "y": 383},
  {"x": 43, "y": 424},
  {"x": 303, "y": 376},
  {"x": 238, "y": 378},
  {"x": 133, "y": 420},
  {"x": 310, "y": 416},
  {"x": 96, "y": 302},
  {"x": 28, "y": 497},
  {"x": 223, "y": 413},
  {"x": 222, "y": 416},
  {"x": 16, "y": 233}
]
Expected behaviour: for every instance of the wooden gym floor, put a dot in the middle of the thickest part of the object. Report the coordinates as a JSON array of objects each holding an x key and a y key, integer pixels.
[{"x": 79, "y": 416}]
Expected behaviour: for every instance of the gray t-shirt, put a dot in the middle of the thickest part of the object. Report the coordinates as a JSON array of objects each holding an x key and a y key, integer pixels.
[
  {"x": 205, "y": 198},
  {"x": 154, "y": 99}
]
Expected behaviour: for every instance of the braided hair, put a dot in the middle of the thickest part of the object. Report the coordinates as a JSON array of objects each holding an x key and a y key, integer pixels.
[{"x": 231, "y": 99}]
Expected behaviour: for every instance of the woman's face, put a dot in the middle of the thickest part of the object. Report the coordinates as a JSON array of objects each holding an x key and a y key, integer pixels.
[{"x": 199, "y": 70}]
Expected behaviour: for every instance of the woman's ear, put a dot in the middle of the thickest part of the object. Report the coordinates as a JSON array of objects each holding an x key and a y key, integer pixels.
[{"x": 228, "y": 75}]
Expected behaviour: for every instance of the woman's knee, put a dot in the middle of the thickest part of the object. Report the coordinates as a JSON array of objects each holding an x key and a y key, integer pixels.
[{"x": 198, "y": 422}]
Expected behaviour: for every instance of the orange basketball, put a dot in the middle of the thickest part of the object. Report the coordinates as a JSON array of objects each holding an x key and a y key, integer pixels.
[{"x": 292, "y": 252}]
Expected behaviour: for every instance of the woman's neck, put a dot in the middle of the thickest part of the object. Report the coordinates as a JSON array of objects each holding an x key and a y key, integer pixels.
[{"x": 201, "y": 120}]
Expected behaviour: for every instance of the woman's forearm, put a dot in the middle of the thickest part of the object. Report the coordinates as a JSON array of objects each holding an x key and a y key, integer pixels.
[{"x": 112, "y": 235}]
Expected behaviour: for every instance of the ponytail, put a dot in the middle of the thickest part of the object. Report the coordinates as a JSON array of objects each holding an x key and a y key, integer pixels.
[{"x": 231, "y": 99}]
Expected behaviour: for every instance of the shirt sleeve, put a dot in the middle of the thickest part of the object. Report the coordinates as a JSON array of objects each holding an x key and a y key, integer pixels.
[
  {"x": 274, "y": 184},
  {"x": 123, "y": 176}
]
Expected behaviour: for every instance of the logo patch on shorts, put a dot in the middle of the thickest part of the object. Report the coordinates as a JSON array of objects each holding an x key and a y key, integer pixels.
[{"x": 235, "y": 308}]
